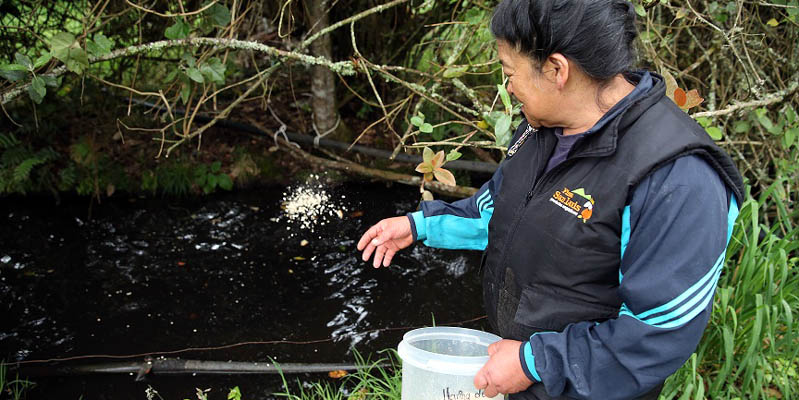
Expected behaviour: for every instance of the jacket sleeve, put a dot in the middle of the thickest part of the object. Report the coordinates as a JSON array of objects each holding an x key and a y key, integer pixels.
[
  {"x": 673, "y": 243},
  {"x": 462, "y": 224}
]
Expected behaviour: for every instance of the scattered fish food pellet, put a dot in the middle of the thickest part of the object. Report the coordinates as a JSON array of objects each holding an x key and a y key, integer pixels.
[{"x": 310, "y": 205}]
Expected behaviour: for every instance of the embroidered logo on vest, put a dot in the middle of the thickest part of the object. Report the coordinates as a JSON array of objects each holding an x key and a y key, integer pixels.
[
  {"x": 527, "y": 132},
  {"x": 575, "y": 202}
]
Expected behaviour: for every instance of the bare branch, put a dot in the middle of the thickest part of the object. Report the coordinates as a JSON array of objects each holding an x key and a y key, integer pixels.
[{"x": 770, "y": 99}]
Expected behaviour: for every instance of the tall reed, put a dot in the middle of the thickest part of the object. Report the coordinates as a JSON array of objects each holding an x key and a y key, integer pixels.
[{"x": 750, "y": 347}]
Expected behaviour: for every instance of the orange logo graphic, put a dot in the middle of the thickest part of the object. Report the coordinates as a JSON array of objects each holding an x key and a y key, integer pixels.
[{"x": 575, "y": 202}]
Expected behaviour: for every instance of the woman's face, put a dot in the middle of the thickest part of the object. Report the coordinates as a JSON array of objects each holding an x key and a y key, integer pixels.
[{"x": 537, "y": 93}]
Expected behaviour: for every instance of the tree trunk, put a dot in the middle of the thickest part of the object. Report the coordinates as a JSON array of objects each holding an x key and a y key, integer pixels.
[{"x": 323, "y": 84}]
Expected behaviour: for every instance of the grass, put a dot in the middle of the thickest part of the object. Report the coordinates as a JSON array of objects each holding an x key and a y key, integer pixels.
[
  {"x": 15, "y": 389},
  {"x": 750, "y": 346},
  {"x": 374, "y": 380}
]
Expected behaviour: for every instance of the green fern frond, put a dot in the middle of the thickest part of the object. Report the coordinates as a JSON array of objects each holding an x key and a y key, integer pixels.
[
  {"x": 48, "y": 154},
  {"x": 23, "y": 170},
  {"x": 69, "y": 176},
  {"x": 8, "y": 140},
  {"x": 14, "y": 156}
]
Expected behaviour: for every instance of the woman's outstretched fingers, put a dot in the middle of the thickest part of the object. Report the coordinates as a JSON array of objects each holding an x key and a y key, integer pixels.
[
  {"x": 367, "y": 238},
  {"x": 388, "y": 257},
  {"x": 384, "y": 239},
  {"x": 379, "y": 253},
  {"x": 367, "y": 252}
]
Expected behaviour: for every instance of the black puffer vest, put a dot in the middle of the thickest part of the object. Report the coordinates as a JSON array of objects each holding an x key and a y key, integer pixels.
[{"x": 554, "y": 244}]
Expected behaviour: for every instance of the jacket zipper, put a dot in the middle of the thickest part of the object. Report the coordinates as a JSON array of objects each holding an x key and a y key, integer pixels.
[{"x": 544, "y": 178}]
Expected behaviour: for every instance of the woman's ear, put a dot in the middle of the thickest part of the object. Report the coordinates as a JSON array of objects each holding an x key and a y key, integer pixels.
[{"x": 561, "y": 68}]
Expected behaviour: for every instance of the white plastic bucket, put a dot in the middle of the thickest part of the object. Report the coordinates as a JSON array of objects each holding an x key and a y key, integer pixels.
[{"x": 440, "y": 363}]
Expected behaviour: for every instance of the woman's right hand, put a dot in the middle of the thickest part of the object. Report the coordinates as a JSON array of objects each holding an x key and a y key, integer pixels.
[{"x": 384, "y": 239}]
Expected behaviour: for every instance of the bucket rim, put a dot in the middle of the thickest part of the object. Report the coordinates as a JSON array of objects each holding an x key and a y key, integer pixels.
[{"x": 442, "y": 363}]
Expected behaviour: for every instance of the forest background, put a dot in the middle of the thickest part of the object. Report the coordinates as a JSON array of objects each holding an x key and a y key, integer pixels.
[{"x": 190, "y": 97}]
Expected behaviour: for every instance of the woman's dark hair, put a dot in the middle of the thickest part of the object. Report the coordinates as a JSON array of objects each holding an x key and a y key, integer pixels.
[{"x": 598, "y": 35}]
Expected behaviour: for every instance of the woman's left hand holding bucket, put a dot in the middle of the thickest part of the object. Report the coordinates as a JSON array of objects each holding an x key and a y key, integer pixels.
[{"x": 503, "y": 371}]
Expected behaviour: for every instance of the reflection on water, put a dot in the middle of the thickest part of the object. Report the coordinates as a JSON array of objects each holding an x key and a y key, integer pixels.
[{"x": 154, "y": 275}]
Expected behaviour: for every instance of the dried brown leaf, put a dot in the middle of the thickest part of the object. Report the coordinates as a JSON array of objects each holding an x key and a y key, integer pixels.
[
  {"x": 692, "y": 99},
  {"x": 679, "y": 97}
]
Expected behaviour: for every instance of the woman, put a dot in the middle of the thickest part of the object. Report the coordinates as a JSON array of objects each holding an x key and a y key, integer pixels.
[{"x": 604, "y": 229}]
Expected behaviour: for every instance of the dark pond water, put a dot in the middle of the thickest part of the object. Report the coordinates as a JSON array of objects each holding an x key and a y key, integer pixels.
[{"x": 152, "y": 275}]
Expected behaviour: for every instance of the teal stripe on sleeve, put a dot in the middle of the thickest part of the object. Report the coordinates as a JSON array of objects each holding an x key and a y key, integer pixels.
[
  {"x": 690, "y": 305},
  {"x": 418, "y": 220},
  {"x": 689, "y": 316},
  {"x": 529, "y": 359},
  {"x": 700, "y": 294},
  {"x": 625, "y": 235},
  {"x": 625, "y": 232},
  {"x": 483, "y": 199}
]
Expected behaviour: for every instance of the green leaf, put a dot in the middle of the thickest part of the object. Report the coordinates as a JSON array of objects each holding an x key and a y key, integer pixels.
[
  {"x": 179, "y": 30},
  {"x": 742, "y": 126},
  {"x": 763, "y": 119},
  {"x": 50, "y": 80},
  {"x": 36, "y": 90},
  {"x": 453, "y": 155},
  {"x": 455, "y": 72},
  {"x": 99, "y": 46},
  {"x": 220, "y": 15},
  {"x": 426, "y": 128},
  {"x": 640, "y": 10},
  {"x": 214, "y": 70},
  {"x": 77, "y": 61},
  {"x": 13, "y": 67},
  {"x": 185, "y": 92},
  {"x": 714, "y": 132},
  {"x": 60, "y": 44},
  {"x": 773, "y": 22},
  {"x": 195, "y": 75},
  {"x": 235, "y": 393},
  {"x": 475, "y": 16},
  {"x": 171, "y": 75},
  {"x": 503, "y": 94},
  {"x": 437, "y": 134},
  {"x": 793, "y": 10},
  {"x": 790, "y": 136},
  {"x": 790, "y": 115},
  {"x": 216, "y": 166},
  {"x": 42, "y": 60},
  {"x": 12, "y": 73},
  {"x": 502, "y": 127},
  {"x": 210, "y": 181},
  {"x": 417, "y": 120},
  {"x": 188, "y": 58},
  {"x": 61, "y": 40},
  {"x": 704, "y": 121},
  {"x": 23, "y": 60},
  {"x": 224, "y": 181},
  {"x": 64, "y": 47}
]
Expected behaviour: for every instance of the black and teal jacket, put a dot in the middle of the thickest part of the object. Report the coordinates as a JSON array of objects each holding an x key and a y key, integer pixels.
[{"x": 605, "y": 266}]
